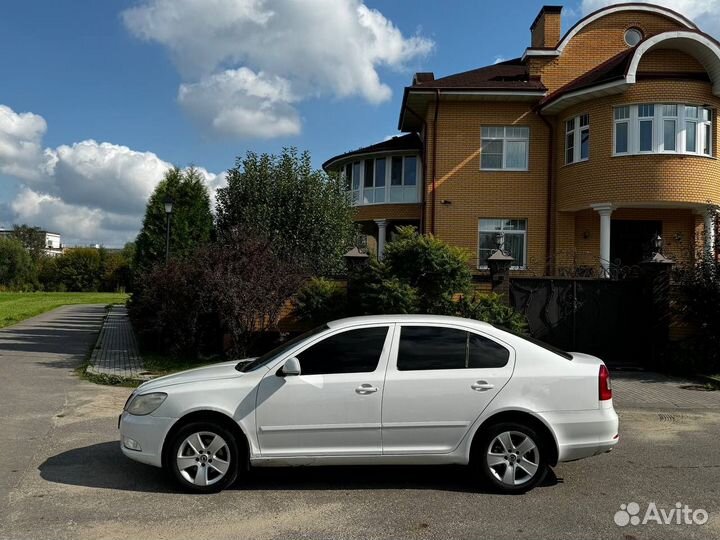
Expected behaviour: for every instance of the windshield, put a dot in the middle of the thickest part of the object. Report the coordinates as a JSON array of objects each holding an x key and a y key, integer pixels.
[
  {"x": 546, "y": 346},
  {"x": 277, "y": 351}
]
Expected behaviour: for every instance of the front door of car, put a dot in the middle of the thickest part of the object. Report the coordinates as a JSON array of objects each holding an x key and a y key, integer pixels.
[
  {"x": 439, "y": 380},
  {"x": 333, "y": 406}
]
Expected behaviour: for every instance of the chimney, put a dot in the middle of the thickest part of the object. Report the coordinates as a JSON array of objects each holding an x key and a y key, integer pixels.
[{"x": 545, "y": 29}]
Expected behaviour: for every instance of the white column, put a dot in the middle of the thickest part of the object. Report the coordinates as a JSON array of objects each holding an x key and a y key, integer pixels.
[
  {"x": 381, "y": 225},
  {"x": 708, "y": 216},
  {"x": 605, "y": 210}
]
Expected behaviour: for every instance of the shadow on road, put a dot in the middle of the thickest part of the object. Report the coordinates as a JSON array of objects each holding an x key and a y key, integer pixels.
[
  {"x": 103, "y": 466},
  {"x": 66, "y": 333}
]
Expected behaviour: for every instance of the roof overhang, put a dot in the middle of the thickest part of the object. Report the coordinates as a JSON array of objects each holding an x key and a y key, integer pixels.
[
  {"x": 350, "y": 157},
  {"x": 700, "y": 46},
  {"x": 416, "y": 101}
]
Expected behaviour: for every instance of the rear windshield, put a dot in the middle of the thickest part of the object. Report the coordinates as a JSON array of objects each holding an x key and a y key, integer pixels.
[
  {"x": 277, "y": 351},
  {"x": 546, "y": 346}
]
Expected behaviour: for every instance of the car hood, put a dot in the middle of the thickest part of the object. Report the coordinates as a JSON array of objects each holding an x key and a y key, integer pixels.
[{"x": 223, "y": 370}]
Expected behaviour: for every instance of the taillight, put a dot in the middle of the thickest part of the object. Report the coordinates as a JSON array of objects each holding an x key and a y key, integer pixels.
[{"x": 604, "y": 386}]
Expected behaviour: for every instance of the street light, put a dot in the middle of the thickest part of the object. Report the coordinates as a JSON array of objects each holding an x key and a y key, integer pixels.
[{"x": 168, "y": 202}]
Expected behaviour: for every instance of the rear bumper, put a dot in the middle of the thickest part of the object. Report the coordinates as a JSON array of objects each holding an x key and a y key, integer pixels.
[
  {"x": 582, "y": 434},
  {"x": 146, "y": 431}
]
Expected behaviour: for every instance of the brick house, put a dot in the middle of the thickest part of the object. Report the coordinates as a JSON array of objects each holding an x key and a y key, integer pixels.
[{"x": 580, "y": 151}]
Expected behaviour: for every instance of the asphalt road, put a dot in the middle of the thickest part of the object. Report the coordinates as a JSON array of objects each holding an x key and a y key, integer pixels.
[{"x": 63, "y": 476}]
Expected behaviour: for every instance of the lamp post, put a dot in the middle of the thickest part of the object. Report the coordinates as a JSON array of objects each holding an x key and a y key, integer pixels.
[
  {"x": 168, "y": 202},
  {"x": 657, "y": 243},
  {"x": 499, "y": 264}
]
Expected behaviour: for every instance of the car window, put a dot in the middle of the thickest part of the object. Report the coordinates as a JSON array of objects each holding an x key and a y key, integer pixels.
[
  {"x": 354, "y": 351},
  {"x": 435, "y": 347},
  {"x": 277, "y": 351},
  {"x": 485, "y": 353}
]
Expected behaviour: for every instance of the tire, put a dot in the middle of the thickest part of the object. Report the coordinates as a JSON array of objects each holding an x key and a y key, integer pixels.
[
  {"x": 512, "y": 470},
  {"x": 204, "y": 457}
]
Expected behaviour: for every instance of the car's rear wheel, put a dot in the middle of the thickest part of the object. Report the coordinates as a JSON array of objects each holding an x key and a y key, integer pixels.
[
  {"x": 204, "y": 457},
  {"x": 511, "y": 457}
]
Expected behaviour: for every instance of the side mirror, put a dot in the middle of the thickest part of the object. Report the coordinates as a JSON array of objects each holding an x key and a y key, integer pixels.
[{"x": 291, "y": 367}]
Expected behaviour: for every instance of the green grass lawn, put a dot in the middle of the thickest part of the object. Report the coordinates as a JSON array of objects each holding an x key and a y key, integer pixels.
[{"x": 15, "y": 307}]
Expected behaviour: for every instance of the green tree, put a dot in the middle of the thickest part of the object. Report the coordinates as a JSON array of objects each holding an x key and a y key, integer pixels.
[
  {"x": 17, "y": 270},
  {"x": 78, "y": 269},
  {"x": 304, "y": 213},
  {"x": 191, "y": 222},
  {"x": 32, "y": 239}
]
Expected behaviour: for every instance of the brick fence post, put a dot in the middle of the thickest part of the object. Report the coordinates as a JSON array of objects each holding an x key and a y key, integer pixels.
[{"x": 499, "y": 264}]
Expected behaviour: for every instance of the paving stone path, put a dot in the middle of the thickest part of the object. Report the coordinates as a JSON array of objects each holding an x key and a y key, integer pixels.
[
  {"x": 646, "y": 389},
  {"x": 116, "y": 352}
]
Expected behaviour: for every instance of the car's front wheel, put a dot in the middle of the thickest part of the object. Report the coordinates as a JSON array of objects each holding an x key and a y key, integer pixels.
[
  {"x": 204, "y": 457},
  {"x": 511, "y": 457}
]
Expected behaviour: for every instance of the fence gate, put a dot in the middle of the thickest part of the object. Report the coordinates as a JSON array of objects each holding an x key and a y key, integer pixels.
[{"x": 608, "y": 318}]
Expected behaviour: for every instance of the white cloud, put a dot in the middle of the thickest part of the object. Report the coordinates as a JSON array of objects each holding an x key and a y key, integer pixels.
[
  {"x": 241, "y": 103},
  {"x": 499, "y": 59},
  {"x": 300, "y": 49},
  {"x": 705, "y": 13},
  {"x": 21, "y": 153},
  {"x": 107, "y": 176},
  {"x": 89, "y": 192}
]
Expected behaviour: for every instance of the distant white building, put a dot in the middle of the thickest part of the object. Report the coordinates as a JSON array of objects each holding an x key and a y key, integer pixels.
[{"x": 53, "y": 241}]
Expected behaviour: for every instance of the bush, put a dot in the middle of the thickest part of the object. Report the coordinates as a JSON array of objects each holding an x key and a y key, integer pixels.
[
  {"x": 373, "y": 291},
  {"x": 435, "y": 269},
  {"x": 238, "y": 286},
  {"x": 169, "y": 310},
  {"x": 248, "y": 282},
  {"x": 492, "y": 309},
  {"x": 319, "y": 301}
]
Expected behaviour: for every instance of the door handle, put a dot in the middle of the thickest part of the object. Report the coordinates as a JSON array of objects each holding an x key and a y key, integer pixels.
[
  {"x": 481, "y": 386},
  {"x": 365, "y": 389}
]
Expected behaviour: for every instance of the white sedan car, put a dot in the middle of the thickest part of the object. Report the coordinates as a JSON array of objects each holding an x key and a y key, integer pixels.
[{"x": 394, "y": 389}]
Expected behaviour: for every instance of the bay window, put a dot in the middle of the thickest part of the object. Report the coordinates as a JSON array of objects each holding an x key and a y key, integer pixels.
[
  {"x": 381, "y": 180},
  {"x": 374, "y": 181},
  {"x": 403, "y": 179},
  {"x": 662, "y": 128},
  {"x": 515, "y": 238},
  {"x": 577, "y": 139},
  {"x": 505, "y": 148}
]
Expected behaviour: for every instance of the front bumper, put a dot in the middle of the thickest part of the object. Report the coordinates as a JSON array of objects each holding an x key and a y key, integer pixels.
[
  {"x": 148, "y": 432},
  {"x": 582, "y": 434}
]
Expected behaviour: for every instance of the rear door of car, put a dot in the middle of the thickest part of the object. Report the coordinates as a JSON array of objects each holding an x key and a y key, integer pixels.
[{"x": 439, "y": 380}]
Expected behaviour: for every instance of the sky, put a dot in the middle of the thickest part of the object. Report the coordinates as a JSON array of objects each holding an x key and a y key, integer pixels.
[{"x": 99, "y": 98}]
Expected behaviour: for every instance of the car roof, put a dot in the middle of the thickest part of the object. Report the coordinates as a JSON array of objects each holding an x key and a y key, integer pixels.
[{"x": 402, "y": 318}]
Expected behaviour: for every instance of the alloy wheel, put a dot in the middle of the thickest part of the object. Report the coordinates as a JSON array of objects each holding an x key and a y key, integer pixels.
[
  {"x": 203, "y": 458},
  {"x": 513, "y": 458}
]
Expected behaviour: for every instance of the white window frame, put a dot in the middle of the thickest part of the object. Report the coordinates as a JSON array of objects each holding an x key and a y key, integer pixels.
[
  {"x": 658, "y": 132},
  {"x": 505, "y": 139},
  {"x": 411, "y": 193},
  {"x": 577, "y": 133},
  {"x": 524, "y": 233}
]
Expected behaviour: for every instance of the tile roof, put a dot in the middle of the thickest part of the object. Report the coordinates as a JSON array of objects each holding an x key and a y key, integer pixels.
[
  {"x": 507, "y": 75},
  {"x": 611, "y": 70}
]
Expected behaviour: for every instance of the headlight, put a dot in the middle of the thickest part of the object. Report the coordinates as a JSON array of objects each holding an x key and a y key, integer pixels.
[{"x": 143, "y": 404}]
